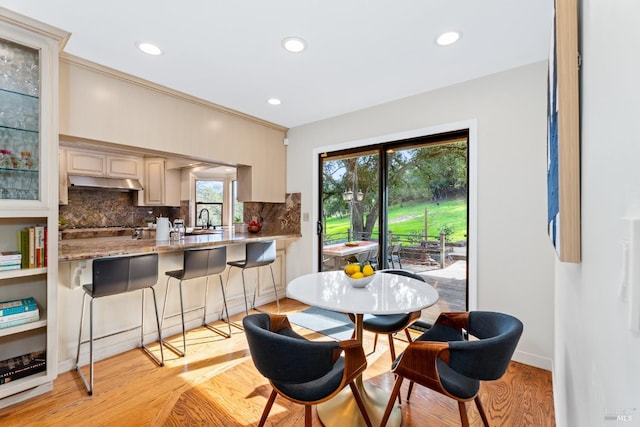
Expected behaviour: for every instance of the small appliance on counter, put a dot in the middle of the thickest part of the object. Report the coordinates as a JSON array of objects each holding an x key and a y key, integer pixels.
[{"x": 163, "y": 227}]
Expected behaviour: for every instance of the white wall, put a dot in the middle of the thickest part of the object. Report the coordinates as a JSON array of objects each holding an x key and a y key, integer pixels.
[
  {"x": 597, "y": 358},
  {"x": 515, "y": 258}
]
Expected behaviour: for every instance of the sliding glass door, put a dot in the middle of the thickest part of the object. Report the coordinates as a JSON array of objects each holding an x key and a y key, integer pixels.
[
  {"x": 400, "y": 204},
  {"x": 350, "y": 208}
]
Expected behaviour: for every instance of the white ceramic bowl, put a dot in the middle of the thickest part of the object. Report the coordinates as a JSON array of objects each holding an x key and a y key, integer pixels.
[{"x": 361, "y": 283}]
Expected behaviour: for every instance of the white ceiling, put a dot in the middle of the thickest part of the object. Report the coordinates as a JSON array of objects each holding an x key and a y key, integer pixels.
[{"x": 360, "y": 52}]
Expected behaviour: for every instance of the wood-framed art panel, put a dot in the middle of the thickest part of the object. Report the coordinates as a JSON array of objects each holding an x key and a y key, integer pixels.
[{"x": 563, "y": 142}]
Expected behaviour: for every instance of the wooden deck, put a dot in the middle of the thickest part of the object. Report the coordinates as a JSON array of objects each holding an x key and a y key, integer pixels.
[{"x": 451, "y": 284}]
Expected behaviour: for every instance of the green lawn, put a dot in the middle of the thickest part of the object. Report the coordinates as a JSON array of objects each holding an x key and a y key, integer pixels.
[{"x": 409, "y": 219}]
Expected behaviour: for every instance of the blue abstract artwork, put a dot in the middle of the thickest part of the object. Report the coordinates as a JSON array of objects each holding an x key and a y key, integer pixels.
[{"x": 553, "y": 201}]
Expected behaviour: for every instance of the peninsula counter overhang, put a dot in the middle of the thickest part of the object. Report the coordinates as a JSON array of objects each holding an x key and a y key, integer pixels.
[{"x": 90, "y": 248}]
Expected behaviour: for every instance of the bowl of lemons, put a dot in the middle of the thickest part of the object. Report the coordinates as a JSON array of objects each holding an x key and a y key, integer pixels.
[{"x": 359, "y": 275}]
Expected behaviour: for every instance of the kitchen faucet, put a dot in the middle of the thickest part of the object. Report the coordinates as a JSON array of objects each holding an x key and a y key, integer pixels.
[{"x": 206, "y": 224}]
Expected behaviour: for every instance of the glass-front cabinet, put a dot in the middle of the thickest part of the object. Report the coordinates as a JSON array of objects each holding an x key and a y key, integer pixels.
[
  {"x": 28, "y": 205},
  {"x": 19, "y": 121}
]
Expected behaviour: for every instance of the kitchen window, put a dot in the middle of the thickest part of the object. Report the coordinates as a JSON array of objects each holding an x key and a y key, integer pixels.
[
  {"x": 209, "y": 203},
  {"x": 238, "y": 206}
]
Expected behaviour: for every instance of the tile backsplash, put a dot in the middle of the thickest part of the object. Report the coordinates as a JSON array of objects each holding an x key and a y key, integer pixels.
[
  {"x": 103, "y": 208},
  {"x": 276, "y": 217}
]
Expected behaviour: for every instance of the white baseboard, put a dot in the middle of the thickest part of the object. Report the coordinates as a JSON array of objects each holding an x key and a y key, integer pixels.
[{"x": 533, "y": 360}]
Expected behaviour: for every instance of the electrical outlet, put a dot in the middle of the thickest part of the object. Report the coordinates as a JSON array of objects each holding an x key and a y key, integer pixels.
[{"x": 305, "y": 216}]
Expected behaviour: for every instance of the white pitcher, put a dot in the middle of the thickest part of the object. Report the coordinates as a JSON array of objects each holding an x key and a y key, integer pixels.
[{"x": 162, "y": 229}]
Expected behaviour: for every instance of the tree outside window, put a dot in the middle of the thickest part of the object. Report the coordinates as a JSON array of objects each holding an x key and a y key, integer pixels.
[{"x": 209, "y": 203}]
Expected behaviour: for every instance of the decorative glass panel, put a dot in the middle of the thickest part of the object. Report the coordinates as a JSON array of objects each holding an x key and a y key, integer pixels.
[{"x": 19, "y": 121}]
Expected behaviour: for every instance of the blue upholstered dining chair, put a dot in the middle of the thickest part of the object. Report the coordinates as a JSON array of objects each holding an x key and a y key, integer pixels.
[
  {"x": 455, "y": 354},
  {"x": 302, "y": 371},
  {"x": 390, "y": 324}
]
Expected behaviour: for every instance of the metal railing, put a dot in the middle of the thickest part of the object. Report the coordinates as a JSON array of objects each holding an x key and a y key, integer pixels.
[{"x": 415, "y": 249}]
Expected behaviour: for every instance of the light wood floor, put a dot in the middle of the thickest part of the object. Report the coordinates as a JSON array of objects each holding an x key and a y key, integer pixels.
[{"x": 216, "y": 384}]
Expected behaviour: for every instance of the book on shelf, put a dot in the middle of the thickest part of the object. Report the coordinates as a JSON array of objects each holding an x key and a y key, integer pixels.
[
  {"x": 19, "y": 319},
  {"x": 22, "y": 366},
  {"x": 46, "y": 246},
  {"x": 10, "y": 260},
  {"x": 39, "y": 246},
  {"x": 32, "y": 247},
  {"x": 10, "y": 256},
  {"x": 19, "y": 316},
  {"x": 23, "y": 247},
  {"x": 17, "y": 306}
]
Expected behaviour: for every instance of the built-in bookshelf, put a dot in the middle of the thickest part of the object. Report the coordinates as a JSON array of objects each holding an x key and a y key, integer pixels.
[{"x": 28, "y": 200}]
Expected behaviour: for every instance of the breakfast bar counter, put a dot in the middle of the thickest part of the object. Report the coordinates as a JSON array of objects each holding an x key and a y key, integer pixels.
[
  {"x": 91, "y": 248},
  {"x": 75, "y": 268}
]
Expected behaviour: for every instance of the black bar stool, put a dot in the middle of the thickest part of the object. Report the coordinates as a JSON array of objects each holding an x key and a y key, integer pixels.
[
  {"x": 113, "y": 276},
  {"x": 198, "y": 263},
  {"x": 257, "y": 254}
]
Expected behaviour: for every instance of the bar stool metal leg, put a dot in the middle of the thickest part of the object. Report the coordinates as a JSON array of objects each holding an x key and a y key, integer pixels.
[
  {"x": 144, "y": 347},
  {"x": 224, "y": 291},
  {"x": 84, "y": 297},
  {"x": 170, "y": 346},
  {"x": 255, "y": 291},
  {"x": 244, "y": 291},
  {"x": 224, "y": 307},
  {"x": 88, "y": 384}
]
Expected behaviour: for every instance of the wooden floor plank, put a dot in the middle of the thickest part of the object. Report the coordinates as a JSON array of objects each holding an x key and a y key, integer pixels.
[{"x": 216, "y": 384}]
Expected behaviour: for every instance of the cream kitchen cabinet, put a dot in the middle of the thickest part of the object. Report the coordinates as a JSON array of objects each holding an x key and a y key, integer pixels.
[
  {"x": 81, "y": 162},
  {"x": 161, "y": 185},
  {"x": 29, "y": 200},
  {"x": 205, "y": 131},
  {"x": 265, "y": 179},
  {"x": 124, "y": 167},
  {"x": 93, "y": 163},
  {"x": 63, "y": 181}
]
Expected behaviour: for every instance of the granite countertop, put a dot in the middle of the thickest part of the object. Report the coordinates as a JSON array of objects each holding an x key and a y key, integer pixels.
[
  {"x": 85, "y": 233},
  {"x": 99, "y": 245}
]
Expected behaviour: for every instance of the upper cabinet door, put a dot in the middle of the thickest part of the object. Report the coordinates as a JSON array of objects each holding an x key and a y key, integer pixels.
[
  {"x": 154, "y": 182},
  {"x": 86, "y": 163},
  {"x": 28, "y": 114},
  {"x": 20, "y": 90}
]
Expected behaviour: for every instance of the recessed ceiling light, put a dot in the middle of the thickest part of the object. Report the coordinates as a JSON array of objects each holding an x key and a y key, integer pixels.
[
  {"x": 274, "y": 101},
  {"x": 448, "y": 38},
  {"x": 294, "y": 44},
  {"x": 149, "y": 48}
]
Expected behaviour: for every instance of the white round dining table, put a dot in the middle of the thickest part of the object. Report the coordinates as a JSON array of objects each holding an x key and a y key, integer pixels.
[{"x": 386, "y": 294}]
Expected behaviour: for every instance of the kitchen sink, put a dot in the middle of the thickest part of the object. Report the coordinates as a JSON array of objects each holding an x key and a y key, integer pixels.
[{"x": 198, "y": 231}]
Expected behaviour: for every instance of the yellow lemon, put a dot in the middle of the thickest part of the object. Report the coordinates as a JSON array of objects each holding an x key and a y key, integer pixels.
[
  {"x": 357, "y": 275},
  {"x": 352, "y": 268},
  {"x": 367, "y": 270}
]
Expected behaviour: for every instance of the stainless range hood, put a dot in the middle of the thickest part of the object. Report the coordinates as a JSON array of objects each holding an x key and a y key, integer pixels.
[{"x": 119, "y": 184}]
